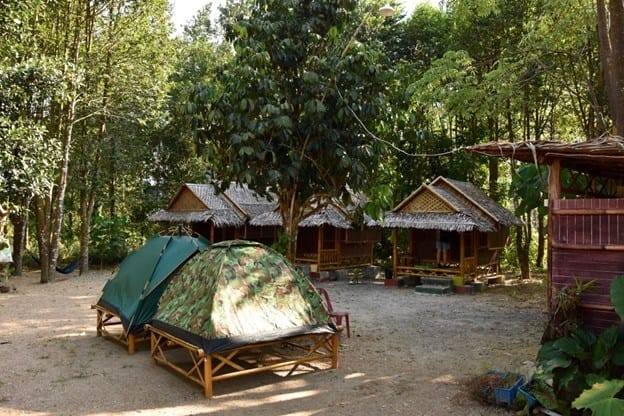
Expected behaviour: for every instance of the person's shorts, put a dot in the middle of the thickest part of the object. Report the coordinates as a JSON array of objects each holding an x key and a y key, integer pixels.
[{"x": 441, "y": 245}]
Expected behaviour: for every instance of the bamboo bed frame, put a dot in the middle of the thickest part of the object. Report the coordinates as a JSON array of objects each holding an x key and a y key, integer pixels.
[
  {"x": 108, "y": 319},
  {"x": 205, "y": 369}
]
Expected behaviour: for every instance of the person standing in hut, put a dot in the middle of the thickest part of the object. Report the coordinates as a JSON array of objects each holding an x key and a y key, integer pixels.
[{"x": 443, "y": 245}]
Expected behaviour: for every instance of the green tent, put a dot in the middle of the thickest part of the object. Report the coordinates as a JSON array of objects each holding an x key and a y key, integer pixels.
[
  {"x": 133, "y": 293},
  {"x": 238, "y": 293}
]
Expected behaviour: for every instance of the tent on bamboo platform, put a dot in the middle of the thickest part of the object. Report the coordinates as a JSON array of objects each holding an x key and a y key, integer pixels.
[
  {"x": 240, "y": 308},
  {"x": 238, "y": 293},
  {"x": 133, "y": 293}
]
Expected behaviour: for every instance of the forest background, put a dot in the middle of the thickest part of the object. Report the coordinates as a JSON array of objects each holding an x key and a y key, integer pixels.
[{"x": 105, "y": 111}]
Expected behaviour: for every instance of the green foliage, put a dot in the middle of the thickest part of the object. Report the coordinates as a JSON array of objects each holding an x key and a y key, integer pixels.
[
  {"x": 290, "y": 113},
  {"x": 112, "y": 239},
  {"x": 527, "y": 185},
  {"x": 601, "y": 400},
  {"x": 617, "y": 295},
  {"x": 585, "y": 368},
  {"x": 579, "y": 360},
  {"x": 28, "y": 153}
]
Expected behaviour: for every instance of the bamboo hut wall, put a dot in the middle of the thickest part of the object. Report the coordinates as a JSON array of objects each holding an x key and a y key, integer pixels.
[
  {"x": 307, "y": 240},
  {"x": 587, "y": 243},
  {"x": 266, "y": 235},
  {"x": 186, "y": 201},
  {"x": 330, "y": 235},
  {"x": 366, "y": 234},
  {"x": 423, "y": 245},
  {"x": 427, "y": 202}
]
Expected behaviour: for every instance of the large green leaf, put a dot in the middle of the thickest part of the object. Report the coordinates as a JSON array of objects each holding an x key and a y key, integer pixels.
[
  {"x": 617, "y": 295},
  {"x": 569, "y": 345},
  {"x": 600, "y": 399}
]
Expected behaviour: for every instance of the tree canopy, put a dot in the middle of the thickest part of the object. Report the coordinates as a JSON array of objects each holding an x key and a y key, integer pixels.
[{"x": 290, "y": 113}]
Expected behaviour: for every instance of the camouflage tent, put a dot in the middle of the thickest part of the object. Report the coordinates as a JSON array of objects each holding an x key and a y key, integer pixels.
[{"x": 239, "y": 293}]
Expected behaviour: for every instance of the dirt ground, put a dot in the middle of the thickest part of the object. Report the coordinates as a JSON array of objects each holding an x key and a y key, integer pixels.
[{"x": 409, "y": 354}]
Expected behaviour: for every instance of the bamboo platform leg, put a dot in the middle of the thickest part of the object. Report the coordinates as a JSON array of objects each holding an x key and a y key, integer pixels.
[
  {"x": 335, "y": 344},
  {"x": 153, "y": 347},
  {"x": 131, "y": 344},
  {"x": 98, "y": 322},
  {"x": 208, "y": 377}
]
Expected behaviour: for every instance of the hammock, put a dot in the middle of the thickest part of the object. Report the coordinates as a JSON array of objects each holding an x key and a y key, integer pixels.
[{"x": 63, "y": 270}]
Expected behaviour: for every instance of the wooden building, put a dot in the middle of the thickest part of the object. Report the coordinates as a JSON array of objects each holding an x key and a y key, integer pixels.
[
  {"x": 478, "y": 227},
  {"x": 586, "y": 215},
  {"x": 219, "y": 216},
  {"x": 327, "y": 238}
]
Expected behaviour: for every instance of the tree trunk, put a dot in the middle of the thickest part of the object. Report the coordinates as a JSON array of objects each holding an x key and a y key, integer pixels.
[
  {"x": 87, "y": 202},
  {"x": 59, "y": 200},
  {"x": 291, "y": 212},
  {"x": 43, "y": 232},
  {"x": 20, "y": 230},
  {"x": 541, "y": 240},
  {"x": 493, "y": 168},
  {"x": 522, "y": 253},
  {"x": 610, "y": 19}
]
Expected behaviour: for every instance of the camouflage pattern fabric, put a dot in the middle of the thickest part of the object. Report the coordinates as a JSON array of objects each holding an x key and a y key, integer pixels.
[{"x": 237, "y": 289}]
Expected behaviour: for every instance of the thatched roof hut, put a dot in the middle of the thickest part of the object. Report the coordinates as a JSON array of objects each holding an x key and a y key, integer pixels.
[
  {"x": 202, "y": 202},
  {"x": 219, "y": 215},
  {"x": 330, "y": 215},
  {"x": 477, "y": 228},
  {"x": 450, "y": 205},
  {"x": 329, "y": 239}
]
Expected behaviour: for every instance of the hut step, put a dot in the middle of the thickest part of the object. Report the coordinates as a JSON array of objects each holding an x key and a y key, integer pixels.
[
  {"x": 433, "y": 289},
  {"x": 435, "y": 285}
]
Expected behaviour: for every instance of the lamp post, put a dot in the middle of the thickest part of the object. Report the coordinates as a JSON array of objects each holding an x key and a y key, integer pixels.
[{"x": 385, "y": 11}]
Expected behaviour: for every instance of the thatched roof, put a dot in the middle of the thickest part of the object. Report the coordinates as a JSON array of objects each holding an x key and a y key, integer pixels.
[
  {"x": 450, "y": 205},
  {"x": 430, "y": 221},
  {"x": 603, "y": 156},
  {"x": 328, "y": 215},
  {"x": 203, "y": 202}
]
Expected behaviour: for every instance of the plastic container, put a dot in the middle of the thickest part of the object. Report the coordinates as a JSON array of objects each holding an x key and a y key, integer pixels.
[
  {"x": 508, "y": 395},
  {"x": 531, "y": 400}
]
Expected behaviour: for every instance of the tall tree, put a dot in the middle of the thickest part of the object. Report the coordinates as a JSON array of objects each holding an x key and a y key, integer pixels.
[
  {"x": 127, "y": 55},
  {"x": 112, "y": 59},
  {"x": 610, "y": 14},
  {"x": 290, "y": 114}
]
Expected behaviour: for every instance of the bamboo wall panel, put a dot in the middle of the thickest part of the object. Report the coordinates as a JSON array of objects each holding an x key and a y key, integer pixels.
[
  {"x": 187, "y": 202},
  {"x": 427, "y": 202},
  {"x": 587, "y": 243}
]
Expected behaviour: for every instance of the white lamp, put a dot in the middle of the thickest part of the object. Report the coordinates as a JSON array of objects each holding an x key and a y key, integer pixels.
[{"x": 386, "y": 11}]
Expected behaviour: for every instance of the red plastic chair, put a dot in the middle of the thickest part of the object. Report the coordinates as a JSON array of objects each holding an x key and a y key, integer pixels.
[{"x": 336, "y": 315}]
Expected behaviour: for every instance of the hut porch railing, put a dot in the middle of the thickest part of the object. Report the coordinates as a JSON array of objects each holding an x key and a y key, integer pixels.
[
  {"x": 407, "y": 265},
  {"x": 204, "y": 369},
  {"x": 328, "y": 259}
]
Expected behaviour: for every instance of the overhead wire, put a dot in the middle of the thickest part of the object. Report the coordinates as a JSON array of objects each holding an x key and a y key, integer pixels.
[{"x": 392, "y": 145}]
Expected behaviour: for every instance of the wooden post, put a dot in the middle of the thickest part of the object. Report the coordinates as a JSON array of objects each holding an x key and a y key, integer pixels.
[
  {"x": 338, "y": 246},
  {"x": 395, "y": 253},
  {"x": 208, "y": 376},
  {"x": 554, "y": 193},
  {"x": 99, "y": 323},
  {"x": 335, "y": 343},
  {"x": 462, "y": 248},
  {"x": 131, "y": 344},
  {"x": 319, "y": 248},
  {"x": 554, "y": 180}
]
